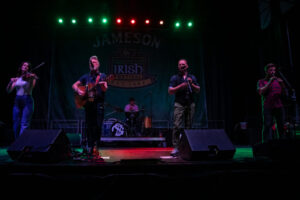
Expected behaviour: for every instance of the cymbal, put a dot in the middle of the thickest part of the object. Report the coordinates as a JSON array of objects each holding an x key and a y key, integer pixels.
[
  {"x": 116, "y": 108},
  {"x": 135, "y": 111}
]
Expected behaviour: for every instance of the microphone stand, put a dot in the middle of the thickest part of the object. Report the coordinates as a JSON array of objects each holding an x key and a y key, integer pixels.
[
  {"x": 151, "y": 112},
  {"x": 150, "y": 93},
  {"x": 293, "y": 97},
  {"x": 285, "y": 80}
]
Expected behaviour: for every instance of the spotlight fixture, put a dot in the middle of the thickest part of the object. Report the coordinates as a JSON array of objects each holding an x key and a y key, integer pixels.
[
  {"x": 177, "y": 24},
  {"x": 118, "y": 20},
  {"x": 104, "y": 20},
  {"x": 73, "y": 21},
  {"x": 90, "y": 20},
  {"x": 60, "y": 20},
  {"x": 132, "y": 21}
]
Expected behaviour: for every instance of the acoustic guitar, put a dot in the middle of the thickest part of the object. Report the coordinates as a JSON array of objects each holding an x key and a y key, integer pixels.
[{"x": 89, "y": 91}]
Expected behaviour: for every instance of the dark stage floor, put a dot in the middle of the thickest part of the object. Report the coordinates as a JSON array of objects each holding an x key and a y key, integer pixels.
[{"x": 149, "y": 172}]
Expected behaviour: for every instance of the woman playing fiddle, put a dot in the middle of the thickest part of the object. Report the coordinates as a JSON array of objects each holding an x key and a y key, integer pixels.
[{"x": 23, "y": 107}]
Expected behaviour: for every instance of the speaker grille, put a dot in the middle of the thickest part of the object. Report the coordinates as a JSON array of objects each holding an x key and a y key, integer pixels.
[
  {"x": 206, "y": 143},
  {"x": 40, "y": 146}
]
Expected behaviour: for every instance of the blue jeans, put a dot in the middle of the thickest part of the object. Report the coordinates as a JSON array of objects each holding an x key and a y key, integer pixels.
[{"x": 22, "y": 114}]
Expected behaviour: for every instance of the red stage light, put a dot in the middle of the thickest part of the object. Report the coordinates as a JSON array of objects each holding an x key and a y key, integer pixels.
[
  {"x": 147, "y": 21},
  {"x": 132, "y": 21},
  {"x": 161, "y": 22},
  {"x": 119, "y": 20}
]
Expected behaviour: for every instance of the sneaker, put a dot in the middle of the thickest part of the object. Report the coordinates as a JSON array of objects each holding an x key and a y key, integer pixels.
[
  {"x": 96, "y": 155},
  {"x": 95, "y": 152},
  {"x": 92, "y": 151},
  {"x": 175, "y": 152}
]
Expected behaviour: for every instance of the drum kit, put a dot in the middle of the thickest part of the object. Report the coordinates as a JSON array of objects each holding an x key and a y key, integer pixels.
[{"x": 133, "y": 125}]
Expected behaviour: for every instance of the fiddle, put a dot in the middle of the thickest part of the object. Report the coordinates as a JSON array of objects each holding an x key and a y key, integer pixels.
[
  {"x": 26, "y": 77},
  {"x": 29, "y": 76}
]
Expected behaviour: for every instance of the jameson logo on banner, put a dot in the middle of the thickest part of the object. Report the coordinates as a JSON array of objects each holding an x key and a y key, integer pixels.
[
  {"x": 130, "y": 72},
  {"x": 144, "y": 39},
  {"x": 129, "y": 62}
]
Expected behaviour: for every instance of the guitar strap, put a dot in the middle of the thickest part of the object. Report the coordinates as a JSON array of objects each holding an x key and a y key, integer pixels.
[
  {"x": 89, "y": 82},
  {"x": 97, "y": 78},
  {"x": 96, "y": 81}
]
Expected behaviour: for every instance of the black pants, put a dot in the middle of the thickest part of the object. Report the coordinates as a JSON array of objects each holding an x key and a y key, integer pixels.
[
  {"x": 269, "y": 115},
  {"x": 133, "y": 128},
  {"x": 94, "y": 115}
]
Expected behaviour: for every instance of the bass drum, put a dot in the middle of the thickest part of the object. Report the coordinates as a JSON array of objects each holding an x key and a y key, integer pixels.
[
  {"x": 107, "y": 123},
  {"x": 118, "y": 129}
]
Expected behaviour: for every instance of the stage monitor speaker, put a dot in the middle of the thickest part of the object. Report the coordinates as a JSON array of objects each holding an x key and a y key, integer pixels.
[
  {"x": 285, "y": 149},
  {"x": 40, "y": 146},
  {"x": 205, "y": 144}
]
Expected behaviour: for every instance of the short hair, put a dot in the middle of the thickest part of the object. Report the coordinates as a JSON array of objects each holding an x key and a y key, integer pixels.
[
  {"x": 183, "y": 59},
  {"x": 131, "y": 99},
  {"x": 90, "y": 61},
  {"x": 269, "y": 65},
  {"x": 93, "y": 57}
]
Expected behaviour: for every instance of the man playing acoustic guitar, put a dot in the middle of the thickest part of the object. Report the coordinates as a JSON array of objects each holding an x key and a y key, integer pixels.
[{"x": 91, "y": 88}]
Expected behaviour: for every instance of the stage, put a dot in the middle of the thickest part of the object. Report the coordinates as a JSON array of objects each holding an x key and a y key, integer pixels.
[{"x": 149, "y": 172}]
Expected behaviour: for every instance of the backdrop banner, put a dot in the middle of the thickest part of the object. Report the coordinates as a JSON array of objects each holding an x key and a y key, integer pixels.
[{"x": 142, "y": 63}]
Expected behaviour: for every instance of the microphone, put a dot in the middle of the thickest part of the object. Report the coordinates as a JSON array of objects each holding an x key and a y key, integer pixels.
[
  {"x": 183, "y": 68},
  {"x": 189, "y": 85}
]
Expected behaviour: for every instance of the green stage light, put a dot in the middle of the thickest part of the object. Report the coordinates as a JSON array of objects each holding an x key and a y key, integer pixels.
[
  {"x": 90, "y": 20},
  {"x": 104, "y": 20},
  {"x": 177, "y": 24},
  {"x": 60, "y": 20},
  {"x": 73, "y": 21},
  {"x": 190, "y": 24}
]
